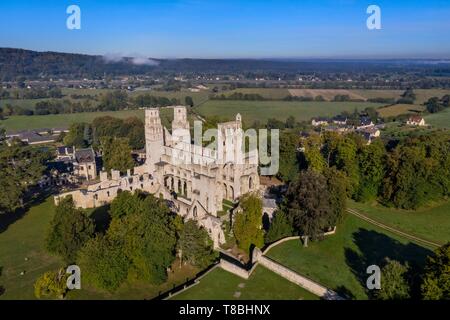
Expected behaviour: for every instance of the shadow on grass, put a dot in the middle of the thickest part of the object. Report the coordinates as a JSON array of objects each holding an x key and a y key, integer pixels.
[
  {"x": 375, "y": 247},
  {"x": 7, "y": 219}
]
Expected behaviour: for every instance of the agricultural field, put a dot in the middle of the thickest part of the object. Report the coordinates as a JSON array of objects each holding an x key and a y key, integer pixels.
[
  {"x": 340, "y": 260},
  {"x": 16, "y": 123},
  {"x": 400, "y": 109},
  {"x": 267, "y": 93},
  {"x": 439, "y": 119},
  {"x": 281, "y": 110},
  {"x": 432, "y": 223},
  {"x": 262, "y": 284},
  {"x": 327, "y": 94}
]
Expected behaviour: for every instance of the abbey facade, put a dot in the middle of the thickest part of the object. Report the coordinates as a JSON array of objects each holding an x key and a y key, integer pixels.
[{"x": 193, "y": 178}]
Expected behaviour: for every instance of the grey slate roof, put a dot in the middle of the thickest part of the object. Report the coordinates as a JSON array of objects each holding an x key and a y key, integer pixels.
[{"x": 85, "y": 155}]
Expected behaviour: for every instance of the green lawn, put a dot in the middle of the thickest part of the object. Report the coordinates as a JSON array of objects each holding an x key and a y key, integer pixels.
[
  {"x": 262, "y": 284},
  {"x": 340, "y": 261},
  {"x": 439, "y": 119},
  {"x": 25, "y": 239},
  {"x": 428, "y": 223},
  {"x": 263, "y": 110}
]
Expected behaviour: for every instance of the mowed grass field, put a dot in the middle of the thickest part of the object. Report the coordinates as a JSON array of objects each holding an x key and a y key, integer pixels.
[
  {"x": 263, "y": 284},
  {"x": 428, "y": 223},
  {"x": 281, "y": 110},
  {"x": 399, "y": 109},
  {"x": 22, "y": 250},
  {"x": 340, "y": 261},
  {"x": 439, "y": 119}
]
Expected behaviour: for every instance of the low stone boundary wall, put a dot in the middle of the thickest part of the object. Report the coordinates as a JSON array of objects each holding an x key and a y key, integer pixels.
[
  {"x": 298, "y": 279},
  {"x": 184, "y": 287},
  {"x": 234, "y": 269},
  {"x": 258, "y": 257}
]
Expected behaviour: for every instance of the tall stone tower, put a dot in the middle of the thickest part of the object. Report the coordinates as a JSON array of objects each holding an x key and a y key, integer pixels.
[
  {"x": 229, "y": 141},
  {"x": 154, "y": 138},
  {"x": 180, "y": 126}
]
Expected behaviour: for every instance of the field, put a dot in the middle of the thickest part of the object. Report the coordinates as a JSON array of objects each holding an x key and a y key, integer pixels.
[
  {"x": 16, "y": 123},
  {"x": 428, "y": 223},
  {"x": 263, "y": 110},
  {"x": 327, "y": 94},
  {"x": 22, "y": 249},
  {"x": 267, "y": 93},
  {"x": 439, "y": 119},
  {"x": 340, "y": 261},
  {"x": 399, "y": 109},
  {"x": 262, "y": 284}
]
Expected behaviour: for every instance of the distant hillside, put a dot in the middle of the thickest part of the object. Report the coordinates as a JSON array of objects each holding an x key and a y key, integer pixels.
[{"x": 16, "y": 63}]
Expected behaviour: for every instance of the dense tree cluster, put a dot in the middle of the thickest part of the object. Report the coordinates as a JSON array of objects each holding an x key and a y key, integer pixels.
[
  {"x": 409, "y": 175},
  {"x": 70, "y": 229},
  {"x": 436, "y": 278},
  {"x": 116, "y": 138},
  {"x": 311, "y": 206},
  {"x": 239, "y": 96},
  {"x": 436, "y": 105},
  {"x": 21, "y": 167},
  {"x": 116, "y": 154},
  {"x": 140, "y": 244}
]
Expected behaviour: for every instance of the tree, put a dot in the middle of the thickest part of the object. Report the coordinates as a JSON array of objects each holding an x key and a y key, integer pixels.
[
  {"x": 148, "y": 237},
  {"x": 337, "y": 188},
  {"x": 104, "y": 263},
  {"x": 280, "y": 227},
  {"x": 52, "y": 284},
  {"x": 189, "y": 101},
  {"x": 347, "y": 161},
  {"x": 247, "y": 224},
  {"x": 313, "y": 155},
  {"x": 372, "y": 170},
  {"x": 308, "y": 203},
  {"x": 195, "y": 246},
  {"x": 116, "y": 154},
  {"x": 70, "y": 228},
  {"x": 21, "y": 167},
  {"x": 125, "y": 203},
  {"x": 290, "y": 122},
  {"x": 289, "y": 166},
  {"x": 394, "y": 282},
  {"x": 78, "y": 135},
  {"x": 436, "y": 278},
  {"x": 138, "y": 245}
]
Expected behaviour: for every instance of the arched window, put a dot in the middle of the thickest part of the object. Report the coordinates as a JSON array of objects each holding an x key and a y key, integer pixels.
[
  {"x": 250, "y": 183},
  {"x": 194, "y": 212},
  {"x": 225, "y": 191}
]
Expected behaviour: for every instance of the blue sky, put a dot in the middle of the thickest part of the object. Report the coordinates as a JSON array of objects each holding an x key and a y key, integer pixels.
[{"x": 236, "y": 29}]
